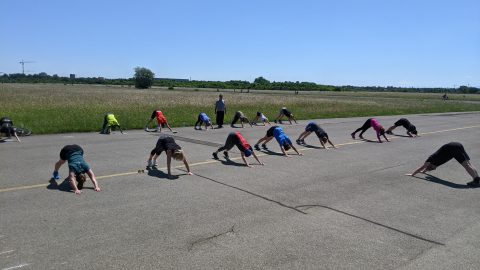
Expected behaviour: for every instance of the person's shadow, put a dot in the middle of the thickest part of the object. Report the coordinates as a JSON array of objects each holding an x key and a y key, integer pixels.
[
  {"x": 400, "y": 135},
  {"x": 311, "y": 146},
  {"x": 63, "y": 186},
  {"x": 437, "y": 180},
  {"x": 229, "y": 162},
  {"x": 160, "y": 174}
]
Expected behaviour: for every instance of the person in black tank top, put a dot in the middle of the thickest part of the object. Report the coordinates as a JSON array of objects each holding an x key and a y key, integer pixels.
[
  {"x": 411, "y": 129},
  {"x": 444, "y": 154},
  {"x": 172, "y": 149}
]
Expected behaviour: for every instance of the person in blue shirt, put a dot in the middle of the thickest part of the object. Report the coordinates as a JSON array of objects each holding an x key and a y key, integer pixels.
[
  {"x": 203, "y": 119},
  {"x": 321, "y": 134},
  {"x": 282, "y": 139}
]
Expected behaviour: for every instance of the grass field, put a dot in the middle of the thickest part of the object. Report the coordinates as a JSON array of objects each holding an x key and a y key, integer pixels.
[{"x": 57, "y": 108}]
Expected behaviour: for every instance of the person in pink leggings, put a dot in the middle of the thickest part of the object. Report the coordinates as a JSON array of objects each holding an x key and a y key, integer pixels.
[{"x": 371, "y": 123}]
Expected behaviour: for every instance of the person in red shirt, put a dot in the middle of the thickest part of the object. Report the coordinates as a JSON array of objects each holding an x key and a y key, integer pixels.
[
  {"x": 236, "y": 139},
  {"x": 161, "y": 120}
]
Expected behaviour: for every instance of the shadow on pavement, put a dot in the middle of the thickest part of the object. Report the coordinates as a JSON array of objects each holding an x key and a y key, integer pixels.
[
  {"x": 159, "y": 174},
  {"x": 437, "y": 180}
]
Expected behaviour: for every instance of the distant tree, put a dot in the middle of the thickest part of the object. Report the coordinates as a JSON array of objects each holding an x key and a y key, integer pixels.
[
  {"x": 261, "y": 80},
  {"x": 143, "y": 78}
]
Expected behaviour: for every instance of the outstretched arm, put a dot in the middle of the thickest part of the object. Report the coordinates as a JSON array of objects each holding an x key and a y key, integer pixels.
[
  {"x": 186, "y": 165},
  {"x": 330, "y": 142},
  {"x": 90, "y": 174},
  {"x": 255, "y": 156},
  {"x": 420, "y": 169},
  {"x": 385, "y": 136},
  {"x": 298, "y": 153},
  {"x": 245, "y": 160},
  {"x": 169, "y": 162}
]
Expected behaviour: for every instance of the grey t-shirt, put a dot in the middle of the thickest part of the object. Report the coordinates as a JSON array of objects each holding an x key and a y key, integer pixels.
[{"x": 220, "y": 105}]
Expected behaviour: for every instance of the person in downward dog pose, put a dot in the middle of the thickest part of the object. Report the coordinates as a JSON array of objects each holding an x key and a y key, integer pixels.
[
  {"x": 443, "y": 155},
  {"x": 411, "y": 129},
  {"x": 284, "y": 112},
  {"x": 172, "y": 150},
  {"x": 236, "y": 139},
  {"x": 262, "y": 118},
  {"x": 240, "y": 116},
  {"x": 282, "y": 139},
  {"x": 371, "y": 123},
  {"x": 161, "y": 121},
  {"x": 203, "y": 119},
  {"x": 321, "y": 134},
  {"x": 109, "y": 123}
]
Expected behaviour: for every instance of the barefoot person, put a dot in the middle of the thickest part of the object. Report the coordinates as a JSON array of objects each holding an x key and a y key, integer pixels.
[
  {"x": 203, "y": 119},
  {"x": 411, "y": 129},
  {"x": 240, "y": 116},
  {"x": 109, "y": 123},
  {"x": 236, "y": 139},
  {"x": 282, "y": 139},
  {"x": 371, "y": 123},
  {"x": 161, "y": 121},
  {"x": 444, "y": 154},
  {"x": 284, "y": 112},
  {"x": 77, "y": 167},
  {"x": 7, "y": 127},
  {"x": 321, "y": 134},
  {"x": 172, "y": 149}
]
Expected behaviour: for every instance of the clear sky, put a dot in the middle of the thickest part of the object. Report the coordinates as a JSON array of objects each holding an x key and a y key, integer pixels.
[{"x": 420, "y": 43}]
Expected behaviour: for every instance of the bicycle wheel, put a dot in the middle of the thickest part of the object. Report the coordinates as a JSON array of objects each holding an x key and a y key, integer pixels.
[{"x": 23, "y": 132}]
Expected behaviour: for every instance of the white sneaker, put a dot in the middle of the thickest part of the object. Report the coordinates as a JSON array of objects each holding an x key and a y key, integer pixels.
[
  {"x": 149, "y": 163},
  {"x": 154, "y": 163}
]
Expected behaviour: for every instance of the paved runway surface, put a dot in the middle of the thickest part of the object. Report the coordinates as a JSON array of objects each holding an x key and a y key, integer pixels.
[{"x": 346, "y": 208}]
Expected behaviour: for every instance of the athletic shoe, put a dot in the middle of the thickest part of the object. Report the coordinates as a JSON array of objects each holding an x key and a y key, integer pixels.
[
  {"x": 215, "y": 155},
  {"x": 389, "y": 132},
  {"x": 353, "y": 136},
  {"x": 225, "y": 154},
  {"x": 474, "y": 183},
  {"x": 264, "y": 146},
  {"x": 56, "y": 175},
  {"x": 257, "y": 147}
]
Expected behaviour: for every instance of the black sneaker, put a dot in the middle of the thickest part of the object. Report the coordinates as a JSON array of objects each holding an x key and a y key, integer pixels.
[
  {"x": 225, "y": 154},
  {"x": 215, "y": 155},
  {"x": 474, "y": 183},
  {"x": 389, "y": 132},
  {"x": 264, "y": 146},
  {"x": 257, "y": 147},
  {"x": 275, "y": 121}
]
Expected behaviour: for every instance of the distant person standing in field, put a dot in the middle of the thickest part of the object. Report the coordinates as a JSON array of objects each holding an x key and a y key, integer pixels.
[
  {"x": 411, "y": 129},
  {"x": 236, "y": 139},
  {"x": 6, "y": 126},
  {"x": 443, "y": 155},
  {"x": 161, "y": 121},
  {"x": 284, "y": 112},
  {"x": 240, "y": 116},
  {"x": 109, "y": 123},
  {"x": 371, "y": 123},
  {"x": 203, "y": 119},
  {"x": 220, "y": 110},
  {"x": 77, "y": 167},
  {"x": 321, "y": 134}
]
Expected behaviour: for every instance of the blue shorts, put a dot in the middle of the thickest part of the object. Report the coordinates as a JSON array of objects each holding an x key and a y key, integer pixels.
[{"x": 311, "y": 127}]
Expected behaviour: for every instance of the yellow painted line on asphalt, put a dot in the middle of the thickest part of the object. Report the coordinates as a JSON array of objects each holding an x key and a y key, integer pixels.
[{"x": 215, "y": 161}]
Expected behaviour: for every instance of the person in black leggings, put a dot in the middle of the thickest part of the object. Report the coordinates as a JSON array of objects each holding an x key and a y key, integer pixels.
[
  {"x": 445, "y": 153},
  {"x": 411, "y": 129},
  {"x": 172, "y": 149},
  {"x": 236, "y": 139},
  {"x": 240, "y": 116}
]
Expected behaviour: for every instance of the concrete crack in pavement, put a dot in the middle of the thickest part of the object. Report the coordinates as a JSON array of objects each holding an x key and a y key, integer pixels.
[
  {"x": 371, "y": 221},
  {"x": 202, "y": 240}
]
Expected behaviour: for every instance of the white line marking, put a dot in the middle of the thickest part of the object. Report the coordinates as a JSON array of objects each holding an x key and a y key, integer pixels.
[
  {"x": 8, "y": 251},
  {"x": 18, "y": 266}
]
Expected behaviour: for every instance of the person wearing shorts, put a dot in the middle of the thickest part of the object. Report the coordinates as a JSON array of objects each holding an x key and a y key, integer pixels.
[
  {"x": 371, "y": 123},
  {"x": 237, "y": 139},
  {"x": 284, "y": 112},
  {"x": 321, "y": 134},
  {"x": 411, "y": 129},
  {"x": 172, "y": 150},
  {"x": 203, "y": 119},
  {"x": 77, "y": 167},
  {"x": 240, "y": 116},
  {"x": 109, "y": 123},
  {"x": 261, "y": 117},
  {"x": 283, "y": 140},
  {"x": 443, "y": 155},
  {"x": 161, "y": 120},
  {"x": 6, "y": 127}
]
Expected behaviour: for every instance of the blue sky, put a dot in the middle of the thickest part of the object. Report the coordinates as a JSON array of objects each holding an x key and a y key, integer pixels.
[{"x": 419, "y": 43}]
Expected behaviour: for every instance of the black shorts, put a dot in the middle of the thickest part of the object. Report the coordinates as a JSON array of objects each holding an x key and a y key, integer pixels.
[
  {"x": 9, "y": 130},
  {"x": 270, "y": 131},
  {"x": 402, "y": 122},
  {"x": 286, "y": 112},
  {"x": 448, "y": 151}
]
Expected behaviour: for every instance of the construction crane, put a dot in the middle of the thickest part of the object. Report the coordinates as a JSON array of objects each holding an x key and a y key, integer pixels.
[{"x": 23, "y": 65}]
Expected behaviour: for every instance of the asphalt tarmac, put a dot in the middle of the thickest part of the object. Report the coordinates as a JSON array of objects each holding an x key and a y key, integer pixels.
[{"x": 345, "y": 208}]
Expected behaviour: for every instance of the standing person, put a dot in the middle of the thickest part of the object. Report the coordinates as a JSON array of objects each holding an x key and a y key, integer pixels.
[
  {"x": 240, "y": 116},
  {"x": 445, "y": 153},
  {"x": 236, "y": 139},
  {"x": 284, "y": 112},
  {"x": 6, "y": 126},
  {"x": 282, "y": 139},
  {"x": 321, "y": 134},
  {"x": 411, "y": 129},
  {"x": 371, "y": 123},
  {"x": 172, "y": 149},
  {"x": 220, "y": 110},
  {"x": 161, "y": 121},
  {"x": 77, "y": 167},
  {"x": 203, "y": 119},
  {"x": 260, "y": 116},
  {"x": 109, "y": 123}
]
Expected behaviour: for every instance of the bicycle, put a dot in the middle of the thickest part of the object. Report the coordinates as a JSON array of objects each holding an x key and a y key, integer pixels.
[{"x": 22, "y": 132}]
